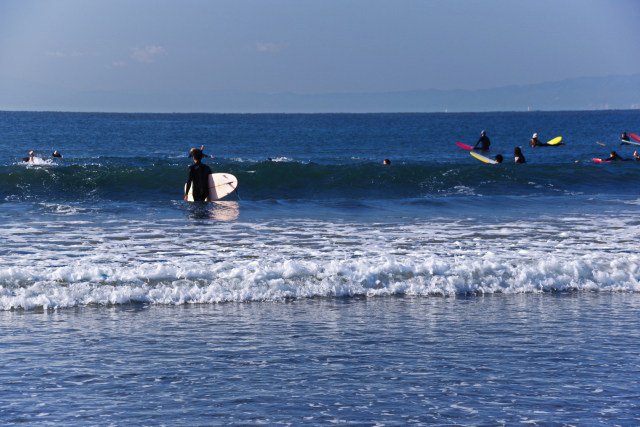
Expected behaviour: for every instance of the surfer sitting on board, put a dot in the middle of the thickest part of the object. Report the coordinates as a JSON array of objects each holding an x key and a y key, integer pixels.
[
  {"x": 198, "y": 177},
  {"x": 624, "y": 138},
  {"x": 484, "y": 140},
  {"x": 30, "y": 158},
  {"x": 201, "y": 150}
]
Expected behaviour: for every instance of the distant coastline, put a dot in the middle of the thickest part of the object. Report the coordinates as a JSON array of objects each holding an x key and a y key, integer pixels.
[{"x": 594, "y": 93}]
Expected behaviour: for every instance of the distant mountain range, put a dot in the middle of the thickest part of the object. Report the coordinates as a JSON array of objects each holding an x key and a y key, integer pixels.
[{"x": 592, "y": 93}]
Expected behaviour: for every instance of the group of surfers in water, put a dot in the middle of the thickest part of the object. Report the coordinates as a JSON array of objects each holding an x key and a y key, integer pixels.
[
  {"x": 615, "y": 157},
  {"x": 31, "y": 157},
  {"x": 484, "y": 142},
  {"x": 198, "y": 177}
]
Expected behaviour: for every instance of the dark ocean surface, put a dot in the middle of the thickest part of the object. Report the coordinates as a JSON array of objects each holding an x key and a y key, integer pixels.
[{"x": 329, "y": 288}]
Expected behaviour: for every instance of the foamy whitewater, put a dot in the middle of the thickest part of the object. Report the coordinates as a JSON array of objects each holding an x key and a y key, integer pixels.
[
  {"x": 329, "y": 288},
  {"x": 270, "y": 261}
]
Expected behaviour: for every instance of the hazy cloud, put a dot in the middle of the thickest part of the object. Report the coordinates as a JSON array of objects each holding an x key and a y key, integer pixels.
[
  {"x": 268, "y": 47},
  {"x": 146, "y": 54},
  {"x": 60, "y": 54},
  {"x": 118, "y": 64}
]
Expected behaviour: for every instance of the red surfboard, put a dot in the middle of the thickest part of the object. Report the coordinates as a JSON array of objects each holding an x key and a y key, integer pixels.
[
  {"x": 601, "y": 160},
  {"x": 468, "y": 147},
  {"x": 465, "y": 146},
  {"x": 634, "y": 136}
]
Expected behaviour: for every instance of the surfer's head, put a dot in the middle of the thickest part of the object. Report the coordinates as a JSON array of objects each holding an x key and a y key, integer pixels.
[
  {"x": 499, "y": 158},
  {"x": 31, "y": 153},
  {"x": 197, "y": 154},
  {"x": 386, "y": 162},
  {"x": 535, "y": 135}
]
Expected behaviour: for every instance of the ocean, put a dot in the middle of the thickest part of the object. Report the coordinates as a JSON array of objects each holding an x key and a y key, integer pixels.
[{"x": 330, "y": 288}]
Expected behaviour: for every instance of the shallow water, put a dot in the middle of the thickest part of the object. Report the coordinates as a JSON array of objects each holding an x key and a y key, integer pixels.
[{"x": 553, "y": 358}]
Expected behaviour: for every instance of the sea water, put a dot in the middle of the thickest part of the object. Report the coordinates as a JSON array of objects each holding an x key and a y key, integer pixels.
[{"x": 329, "y": 288}]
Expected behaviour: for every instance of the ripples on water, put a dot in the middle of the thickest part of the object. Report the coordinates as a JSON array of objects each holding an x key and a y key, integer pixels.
[{"x": 544, "y": 359}]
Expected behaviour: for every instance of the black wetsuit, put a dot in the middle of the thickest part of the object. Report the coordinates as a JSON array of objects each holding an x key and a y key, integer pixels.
[
  {"x": 536, "y": 143},
  {"x": 615, "y": 158},
  {"x": 199, "y": 177},
  {"x": 484, "y": 140}
]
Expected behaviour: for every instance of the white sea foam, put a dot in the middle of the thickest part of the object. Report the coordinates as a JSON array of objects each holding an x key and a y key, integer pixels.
[
  {"x": 38, "y": 161},
  {"x": 118, "y": 262}
]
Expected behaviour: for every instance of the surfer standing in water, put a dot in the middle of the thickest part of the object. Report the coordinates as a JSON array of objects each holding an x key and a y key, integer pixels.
[
  {"x": 518, "y": 156},
  {"x": 198, "y": 177},
  {"x": 484, "y": 140}
]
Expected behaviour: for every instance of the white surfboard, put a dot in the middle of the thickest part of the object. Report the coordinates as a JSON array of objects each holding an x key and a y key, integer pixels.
[
  {"x": 220, "y": 185},
  {"x": 483, "y": 158}
]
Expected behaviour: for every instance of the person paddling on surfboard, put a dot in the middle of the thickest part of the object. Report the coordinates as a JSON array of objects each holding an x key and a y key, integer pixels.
[
  {"x": 198, "y": 177},
  {"x": 535, "y": 142},
  {"x": 56, "y": 154},
  {"x": 484, "y": 140},
  {"x": 614, "y": 157}
]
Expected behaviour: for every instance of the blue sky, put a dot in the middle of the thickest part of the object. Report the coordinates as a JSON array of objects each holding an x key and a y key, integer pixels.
[{"x": 312, "y": 47}]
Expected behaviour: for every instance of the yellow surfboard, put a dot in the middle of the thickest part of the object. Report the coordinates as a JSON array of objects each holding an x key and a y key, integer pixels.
[
  {"x": 483, "y": 158},
  {"x": 555, "y": 141}
]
